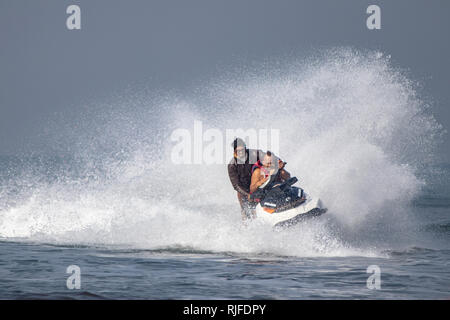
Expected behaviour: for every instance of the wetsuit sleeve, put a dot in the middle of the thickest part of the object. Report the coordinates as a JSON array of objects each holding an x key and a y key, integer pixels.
[{"x": 234, "y": 179}]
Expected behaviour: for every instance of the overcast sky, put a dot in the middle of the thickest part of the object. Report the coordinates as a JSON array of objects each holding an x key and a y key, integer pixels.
[{"x": 166, "y": 43}]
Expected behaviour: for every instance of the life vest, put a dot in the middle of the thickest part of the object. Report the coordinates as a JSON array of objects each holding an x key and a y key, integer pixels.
[
  {"x": 259, "y": 165},
  {"x": 272, "y": 178}
]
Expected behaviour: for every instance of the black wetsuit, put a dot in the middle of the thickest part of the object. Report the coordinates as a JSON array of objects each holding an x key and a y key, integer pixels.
[{"x": 240, "y": 174}]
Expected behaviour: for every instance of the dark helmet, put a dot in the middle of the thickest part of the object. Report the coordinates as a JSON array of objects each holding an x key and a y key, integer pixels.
[{"x": 238, "y": 142}]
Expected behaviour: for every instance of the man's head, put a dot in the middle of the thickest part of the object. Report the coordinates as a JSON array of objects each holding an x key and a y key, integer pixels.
[
  {"x": 270, "y": 162},
  {"x": 239, "y": 148},
  {"x": 267, "y": 159}
]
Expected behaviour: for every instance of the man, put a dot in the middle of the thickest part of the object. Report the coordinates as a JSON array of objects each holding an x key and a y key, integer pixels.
[
  {"x": 268, "y": 172},
  {"x": 240, "y": 173}
]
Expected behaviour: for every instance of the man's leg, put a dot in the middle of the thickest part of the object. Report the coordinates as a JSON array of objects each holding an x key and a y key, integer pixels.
[{"x": 247, "y": 209}]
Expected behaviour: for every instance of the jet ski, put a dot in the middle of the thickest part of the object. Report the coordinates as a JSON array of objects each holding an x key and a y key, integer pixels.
[{"x": 284, "y": 205}]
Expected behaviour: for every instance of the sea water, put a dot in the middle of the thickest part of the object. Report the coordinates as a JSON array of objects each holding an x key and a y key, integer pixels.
[{"x": 104, "y": 196}]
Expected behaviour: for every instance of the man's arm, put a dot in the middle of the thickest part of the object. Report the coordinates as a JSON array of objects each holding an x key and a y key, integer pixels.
[
  {"x": 234, "y": 179},
  {"x": 257, "y": 180},
  {"x": 284, "y": 175}
]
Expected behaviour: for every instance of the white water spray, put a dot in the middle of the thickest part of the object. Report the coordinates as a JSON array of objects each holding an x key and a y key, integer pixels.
[{"x": 352, "y": 129}]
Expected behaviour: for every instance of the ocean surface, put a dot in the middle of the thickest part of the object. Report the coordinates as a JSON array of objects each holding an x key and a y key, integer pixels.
[
  {"x": 105, "y": 197},
  {"x": 38, "y": 271},
  {"x": 415, "y": 265}
]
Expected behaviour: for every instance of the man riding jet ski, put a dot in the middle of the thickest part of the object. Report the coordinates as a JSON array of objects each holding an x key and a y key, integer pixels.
[{"x": 279, "y": 203}]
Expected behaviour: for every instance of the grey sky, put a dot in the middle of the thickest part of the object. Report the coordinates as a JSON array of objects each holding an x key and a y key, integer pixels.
[{"x": 166, "y": 43}]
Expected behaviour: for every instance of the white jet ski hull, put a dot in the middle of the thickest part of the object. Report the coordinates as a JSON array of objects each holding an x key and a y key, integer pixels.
[{"x": 310, "y": 208}]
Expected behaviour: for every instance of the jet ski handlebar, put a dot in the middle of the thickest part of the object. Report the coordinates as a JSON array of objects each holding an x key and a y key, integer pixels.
[{"x": 289, "y": 182}]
